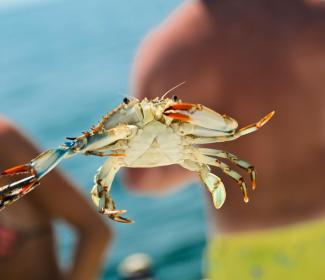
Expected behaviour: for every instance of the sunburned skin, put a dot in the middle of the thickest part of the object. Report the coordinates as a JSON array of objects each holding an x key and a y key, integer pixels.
[
  {"x": 242, "y": 59},
  {"x": 27, "y": 245},
  {"x": 26, "y": 216}
]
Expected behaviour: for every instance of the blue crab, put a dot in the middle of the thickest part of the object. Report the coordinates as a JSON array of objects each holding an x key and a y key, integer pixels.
[{"x": 146, "y": 133}]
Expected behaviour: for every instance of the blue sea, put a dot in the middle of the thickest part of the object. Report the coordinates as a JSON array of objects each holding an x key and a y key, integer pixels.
[{"x": 63, "y": 64}]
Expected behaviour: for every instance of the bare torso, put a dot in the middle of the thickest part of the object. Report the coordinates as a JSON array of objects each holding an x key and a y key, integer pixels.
[
  {"x": 277, "y": 64},
  {"x": 245, "y": 59},
  {"x": 27, "y": 242}
]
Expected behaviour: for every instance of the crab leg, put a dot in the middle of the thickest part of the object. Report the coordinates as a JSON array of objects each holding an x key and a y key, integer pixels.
[
  {"x": 196, "y": 131},
  {"x": 200, "y": 115},
  {"x": 248, "y": 129},
  {"x": 241, "y": 132},
  {"x": 103, "y": 181},
  {"x": 241, "y": 163},
  {"x": 211, "y": 181},
  {"x": 98, "y": 141},
  {"x": 227, "y": 170},
  {"x": 203, "y": 135},
  {"x": 46, "y": 161},
  {"x": 37, "y": 168},
  {"x": 12, "y": 192},
  {"x": 102, "y": 154},
  {"x": 119, "y": 145}
]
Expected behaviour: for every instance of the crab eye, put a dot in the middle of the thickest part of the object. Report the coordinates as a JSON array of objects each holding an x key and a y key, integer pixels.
[
  {"x": 174, "y": 98},
  {"x": 126, "y": 100}
]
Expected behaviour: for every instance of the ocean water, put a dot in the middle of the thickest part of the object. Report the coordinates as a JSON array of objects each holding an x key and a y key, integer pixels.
[{"x": 63, "y": 64}]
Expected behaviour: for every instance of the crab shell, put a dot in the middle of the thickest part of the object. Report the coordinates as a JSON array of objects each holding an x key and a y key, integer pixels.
[{"x": 165, "y": 110}]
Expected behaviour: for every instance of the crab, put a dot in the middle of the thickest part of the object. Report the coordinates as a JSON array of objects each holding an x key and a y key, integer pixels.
[{"x": 146, "y": 133}]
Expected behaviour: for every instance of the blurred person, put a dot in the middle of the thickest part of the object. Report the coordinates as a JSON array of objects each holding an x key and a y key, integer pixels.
[
  {"x": 245, "y": 59},
  {"x": 27, "y": 245}
]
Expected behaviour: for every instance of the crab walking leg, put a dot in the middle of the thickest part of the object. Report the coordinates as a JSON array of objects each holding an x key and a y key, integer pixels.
[
  {"x": 211, "y": 181},
  {"x": 241, "y": 132},
  {"x": 227, "y": 170},
  {"x": 103, "y": 181},
  {"x": 234, "y": 159}
]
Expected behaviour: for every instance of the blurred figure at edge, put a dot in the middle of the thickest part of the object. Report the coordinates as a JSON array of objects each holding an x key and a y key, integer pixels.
[
  {"x": 27, "y": 245},
  {"x": 245, "y": 59}
]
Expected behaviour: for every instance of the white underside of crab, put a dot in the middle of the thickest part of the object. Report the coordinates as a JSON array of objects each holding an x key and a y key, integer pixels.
[{"x": 154, "y": 145}]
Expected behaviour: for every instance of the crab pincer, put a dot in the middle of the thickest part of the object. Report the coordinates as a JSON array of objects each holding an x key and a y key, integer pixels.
[
  {"x": 200, "y": 115},
  {"x": 36, "y": 169}
]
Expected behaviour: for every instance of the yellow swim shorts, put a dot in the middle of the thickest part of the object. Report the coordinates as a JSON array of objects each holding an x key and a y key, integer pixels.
[{"x": 295, "y": 252}]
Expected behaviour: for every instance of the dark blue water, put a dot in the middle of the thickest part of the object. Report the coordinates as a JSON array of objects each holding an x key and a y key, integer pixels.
[{"x": 63, "y": 64}]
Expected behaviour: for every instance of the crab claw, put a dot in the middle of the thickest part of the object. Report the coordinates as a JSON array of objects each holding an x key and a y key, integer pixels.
[
  {"x": 37, "y": 168},
  {"x": 114, "y": 215},
  {"x": 120, "y": 219},
  {"x": 201, "y": 116},
  {"x": 179, "y": 111},
  {"x": 253, "y": 127},
  {"x": 23, "y": 168},
  {"x": 265, "y": 119},
  {"x": 180, "y": 106},
  {"x": 15, "y": 190},
  {"x": 20, "y": 187}
]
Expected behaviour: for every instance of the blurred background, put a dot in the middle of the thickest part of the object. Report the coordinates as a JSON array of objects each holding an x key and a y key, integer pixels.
[{"x": 63, "y": 65}]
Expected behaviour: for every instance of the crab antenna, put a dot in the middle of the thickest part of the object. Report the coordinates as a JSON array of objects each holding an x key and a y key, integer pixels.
[{"x": 172, "y": 89}]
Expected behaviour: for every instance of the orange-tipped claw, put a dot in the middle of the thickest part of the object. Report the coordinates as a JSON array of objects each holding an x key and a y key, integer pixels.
[
  {"x": 114, "y": 215},
  {"x": 246, "y": 199},
  {"x": 178, "y": 116},
  {"x": 12, "y": 192},
  {"x": 252, "y": 173},
  {"x": 265, "y": 119},
  {"x": 253, "y": 184},
  {"x": 16, "y": 170},
  {"x": 26, "y": 188},
  {"x": 180, "y": 106},
  {"x": 244, "y": 190},
  {"x": 121, "y": 219},
  {"x": 111, "y": 212}
]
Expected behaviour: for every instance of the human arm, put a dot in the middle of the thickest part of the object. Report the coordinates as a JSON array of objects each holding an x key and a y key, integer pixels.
[{"x": 58, "y": 198}]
